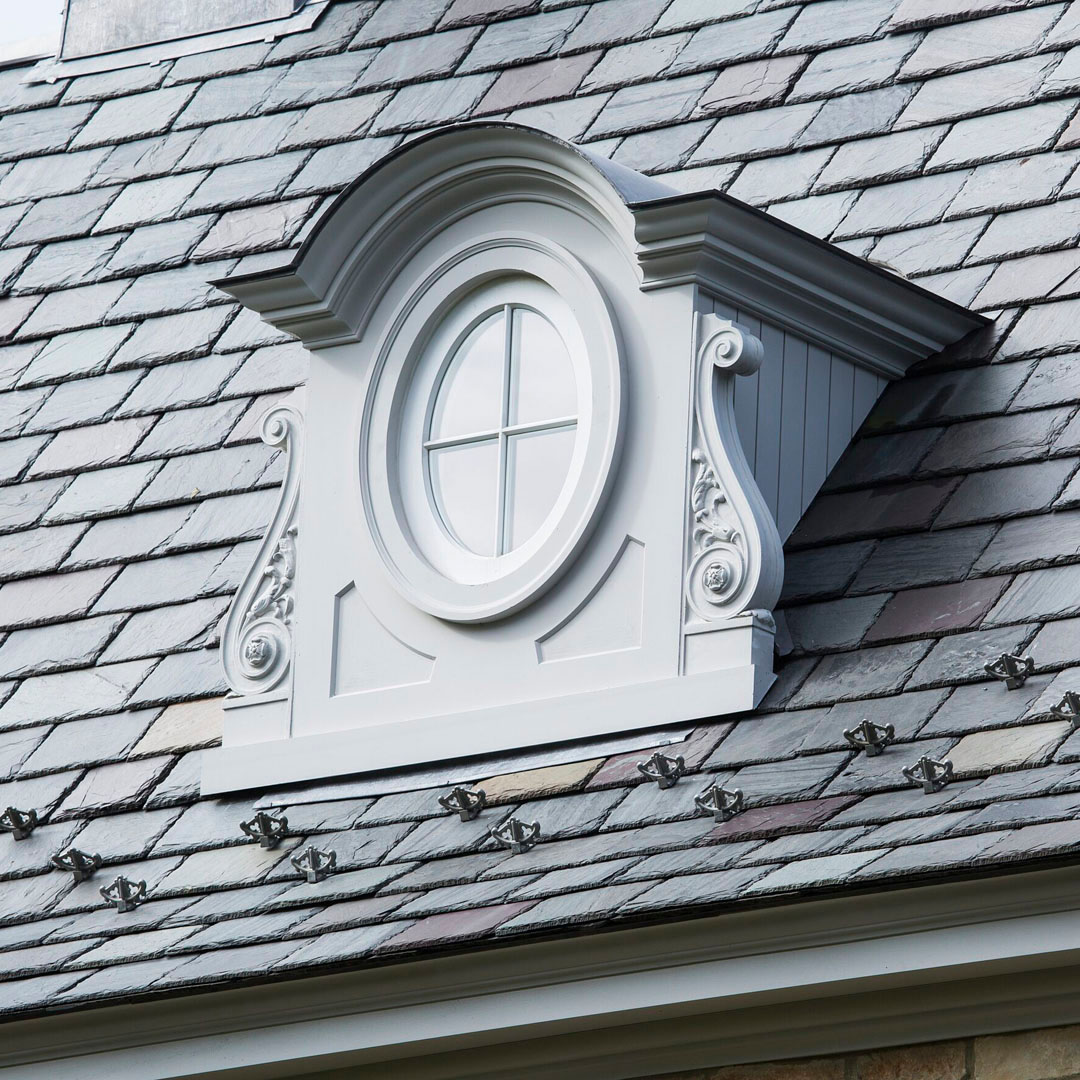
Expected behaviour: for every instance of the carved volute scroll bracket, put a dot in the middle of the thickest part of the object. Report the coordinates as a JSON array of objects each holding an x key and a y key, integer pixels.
[
  {"x": 257, "y": 640},
  {"x": 735, "y": 559}
]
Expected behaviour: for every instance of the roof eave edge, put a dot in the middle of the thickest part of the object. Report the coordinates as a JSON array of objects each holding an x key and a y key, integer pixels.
[{"x": 905, "y": 965}]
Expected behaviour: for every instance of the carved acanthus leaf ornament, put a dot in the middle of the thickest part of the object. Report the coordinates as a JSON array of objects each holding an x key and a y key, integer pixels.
[
  {"x": 735, "y": 559},
  {"x": 258, "y": 637}
]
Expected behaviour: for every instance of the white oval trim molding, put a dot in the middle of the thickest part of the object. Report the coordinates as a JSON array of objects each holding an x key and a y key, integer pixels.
[{"x": 427, "y": 563}]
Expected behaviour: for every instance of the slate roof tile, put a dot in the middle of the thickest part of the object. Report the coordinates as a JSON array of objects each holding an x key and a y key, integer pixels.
[
  {"x": 692, "y": 889},
  {"x": 521, "y": 86},
  {"x": 332, "y": 167},
  {"x": 94, "y": 445},
  {"x": 103, "y": 492},
  {"x": 14, "y": 311},
  {"x": 981, "y": 41},
  {"x": 864, "y": 66},
  {"x": 331, "y": 33},
  {"x": 32, "y": 854},
  {"x": 55, "y": 648},
  {"x": 73, "y": 308},
  {"x": 164, "y": 580},
  {"x": 973, "y": 92},
  {"x": 133, "y": 116},
  {"x": 823, "y": 572},
  {"x": 901, "y": 205},
  {"x": 83, "y": 352},
  {"x": 85, "y": 401},
  {"x": 346, "y": 914},
  {"x": 424, "y": 104},
  {"x": 1039, "y": 594},
  {"x": 870, "y": 671},
  {"x": 165, "y": 244},
  {"x": 16, "y": 746},
  {"x": 255, "y": 228},
  {"x": 773, "y": 179},
  {"x": 236, "y": 468},
  {"x": 182, "y": 726},
  {"x": 1006, "y": 492},
  {"x": 833, "y": 624},
  {"x": 959, "y": 658},
  {"x": 16, "y": 454},
  {"x": 864, "y": 774},
  {"x": 229, "y": 97},
  {"x": 29, "y": 993},
  {"x": 181, "y": 785},
  {"x": 222, "y": 867},
  {"x": 1058, "y": 643},
  {"x": 649, "y": 105},
  {"x": 874, "y": 511},
  {"x": 149, "y": 201},
  {"x": 1020, "y": 232},
  {"x": 88, "y": 742},
  {"x": 340, "y": 946},
  {"x": 180, "y": 676},
  {"x": 141, "y": 159},
  {"x": 238, "y": 140},
  {"x": 868, "y": 113},
  {"x": 133, "y": 536},
  {"x": 23, "y": 134},
  {"x": 11, "y": 262},
  {"x": 1026, "y": 278},
  {"x": 165, "y": 630},
  {"x": 912, "y": 561},
  {"x": 138, "y": 946},
  {"x": 100, "y": 86},
  {"x": 880, "y": 158},
  {"x": 634, "y": 61},
  {"x": 37, "y": 551},
  {"x": 24, "y": 504},
  {"x": 14, "y": 360},
  {"x": 390, "y": 21},
  {"x": 192, "y": 382},
  {"x": 55, "y": 265}
]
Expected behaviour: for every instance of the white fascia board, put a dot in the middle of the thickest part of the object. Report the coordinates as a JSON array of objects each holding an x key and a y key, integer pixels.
[
  {"x": 795, "y": 280},
  {"x": 910, "y": 965}
]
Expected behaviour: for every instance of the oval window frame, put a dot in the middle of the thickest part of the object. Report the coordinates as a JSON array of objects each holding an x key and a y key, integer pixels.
[{"x": 397, "y": 401}]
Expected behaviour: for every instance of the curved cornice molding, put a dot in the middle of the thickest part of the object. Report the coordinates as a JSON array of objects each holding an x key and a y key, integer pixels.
[
  {"x": 758, "y": 262},
  {"x": 326, "y": 294}
]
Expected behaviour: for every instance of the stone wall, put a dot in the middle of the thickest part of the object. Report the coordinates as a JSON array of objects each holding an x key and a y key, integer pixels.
[{"x": 1046, "y": 1054}]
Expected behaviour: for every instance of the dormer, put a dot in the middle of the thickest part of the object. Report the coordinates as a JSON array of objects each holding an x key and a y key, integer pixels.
[{"x": 558, "y": 421}]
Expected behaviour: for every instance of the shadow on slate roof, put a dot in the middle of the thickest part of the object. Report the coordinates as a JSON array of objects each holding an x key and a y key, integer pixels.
[{"x": 938, "y": 138}]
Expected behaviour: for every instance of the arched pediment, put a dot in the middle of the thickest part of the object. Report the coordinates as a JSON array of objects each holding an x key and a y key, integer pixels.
[{"x": 327, "y": 293}]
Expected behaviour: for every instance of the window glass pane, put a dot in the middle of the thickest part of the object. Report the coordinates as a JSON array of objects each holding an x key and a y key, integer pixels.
[
  {"x": 536, "y": 470},
  {"x": 465, "y": 482},
  {"x": 470, "y": 398},
  {"x": 542, "y": 378}
]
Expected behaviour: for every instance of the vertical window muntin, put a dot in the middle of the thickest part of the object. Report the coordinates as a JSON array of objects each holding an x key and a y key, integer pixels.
[{"x": 509, "y": 432}]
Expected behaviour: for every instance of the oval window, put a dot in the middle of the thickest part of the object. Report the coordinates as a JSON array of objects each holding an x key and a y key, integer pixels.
[{"x": 493, "y": 426}]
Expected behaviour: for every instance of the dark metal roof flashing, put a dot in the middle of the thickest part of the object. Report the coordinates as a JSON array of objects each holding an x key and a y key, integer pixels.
[
  {"x": 104, "y": 35},
  {"x": 92, "y": 27}
]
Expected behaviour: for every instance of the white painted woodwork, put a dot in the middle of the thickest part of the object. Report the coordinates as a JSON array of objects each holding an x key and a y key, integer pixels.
[
  {"x": 528, "y": 508},
  {"x": 797, "y": 415}
]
